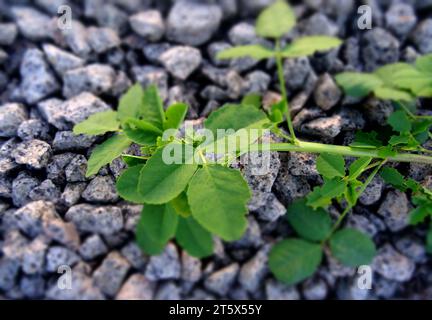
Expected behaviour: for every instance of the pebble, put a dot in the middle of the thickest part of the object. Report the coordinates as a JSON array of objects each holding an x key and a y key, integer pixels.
[
  {"x": 164, "y": 266},
  {"x": 168, "y": 291},
  {"x": 392, "y": 265},
  {"x": 75, "y": 171},
  {"x": 191, "y": 268},
  {"x": 278, "y": 291},
  {"x": 136, "y": 287},
  {"x": 412, "y": 248},
  {"x": 8, "y": 272},
  {"x": 373, "y": 192},
  {"x": 319, "y": 24},
  {"x": 253, "y": 272},
  {"x": 92, "y": 247},
  {"x": 327, "y": 94},
  {"x": 11, "y": 117},
  {"x": 111, "y": 273},
  {"x": 378, "y": 48},
  {"x": 77, "y": 39},
  {"x": 46, "y": 191},
  {"x": 32, "y": 216},
  {"x": 400, "y": 19},
  {"x": 181, "y": 61},
  {"x": 68, "y": 141},
  {"x": 33, "y": 261},
  {"x": 60, "y": 256},
  {"x": 62, "y": 61},
  {"x": 193, "y": 23},
  {"x": 34, "y": 153},
  {"x": 327, "y": 128},
  {"x": 72, "y": 194},
  {"x": 133, "y": 253},
  {"x": 109, "y": 15},
  {"x": 296, "y": 72},
  {"x": 8, "y": 33},
  {"x": 272, "y": 210},
  {"x": 22, "y": 185},
  {"x": 102, "y": 220},
  {"x": 32, "y": 24},
  {"x": 221, "y": 281},
  {"x": 315, "y": 289},
  {"x": 33, "y": 129},
  {"x": 38, "y": 81},
  {"x": 422, "y": 36},
  {"x": 148, "y": 75},
  {"x": 148, "y": 24},
  {"x": 33, "y": 287},
  {"x": 101, "y": 189},
  {"x": 394, "y": 210},
  {"x": 102, "y": 39},
  {"x": 82, "y": 288}
]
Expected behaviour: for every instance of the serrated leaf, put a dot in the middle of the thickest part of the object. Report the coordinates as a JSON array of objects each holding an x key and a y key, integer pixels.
[
  {"x": 306, "y": 46},
  {"x": 131, "y": 104},
  {"x": 252, "y": 99},
  {"x": 393, "y": 177},
  {"x": 414, "y": 80},
  {"x": 294, "y": 260},
  {"x": 357, "y": 84},
  {"x": 366, "y": 140},
  {"x": 175, "y": 115},
  {"x": 106, "y": 152},
  {"x": 98, "y": 123},
  {"x": 217, "y": 197},
  {"x": 322, "y": 196},
  {"x": 356, "y": 168},
  {"x": 157, "y": 225},
  {"x": 276, "y": 20},
  {"x": 197, "y": 241},
  {"x": 313, "y": 225},
  {"x": 389, "y": 72},
  {"x": 352, "y": 248},
  {"x": 253, "y": 51},
  {"x": 127, "y": 184},
  {"x": 331, "y": 165},
  {"x": 141, "y": 131},
  {"x": 235, "y": 117},
  {"x": 424, "y": 63},
  {"x": 181, "y": 205},
  {"x": 386, "y": 93},
  {"x": 160, "y": 182},
  {"x": 153, "y": 111},
  {"x": 399, "y": 121}
]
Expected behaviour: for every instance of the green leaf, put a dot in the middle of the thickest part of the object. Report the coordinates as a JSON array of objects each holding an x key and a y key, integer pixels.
[
  {"x": 330, "y": 165},
  {"x": 424, "y": 63},
  {"x": 106, "y": 152},
  {"x": 414, "y": 80},
  {"x": 153, "y": 109},
  {"x": 157, "y": 225},
  {"x": 313, "y": 225},
  {"x": 294, "y": 260},
  {"x": 322, "y": 196},
  {"x": 385, "y": 93},
  {"x": 389, "y": 72},
  {"x": 127, "y": 184},
  {"x": 132, "y": 161},
  {"x": 358, "y": 166},
  {"x": 98, "y": 123},
  {"x": 160, "y": 182},
  {"x": 366, "y": 140},
  {"x": 276, "y": 20},
  {"x": 253, "y": 51},
  {"x": 393, "y": 177},
  {"x": 131, "y": 104},
  {"x": 429, "y": 241},
  {"x": 197, "y": 241},
  {"x": 235, "y": 117},
  {"x": 218, "y": 196},
  {"x": 253, "y": 100},
  {"x": 357, "y": 84},
  {"x": 141, "y": 131},
  {"x": 306, "y": 46},
  {"x": 277, "y": 112},
  {"x": 419, "y": 215},
  {"x": 352, "y": 248},
  {"x": 181, "y": 205},
  {"x": 399, "y": 121},
  {"x": 175, "y": 115}
]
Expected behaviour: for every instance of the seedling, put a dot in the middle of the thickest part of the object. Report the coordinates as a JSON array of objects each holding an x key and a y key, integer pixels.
[{"x": 200, "y": 196}]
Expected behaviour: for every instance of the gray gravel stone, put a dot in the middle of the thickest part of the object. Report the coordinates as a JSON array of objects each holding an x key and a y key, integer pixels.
[
  {"x": 68, "y": 141},
  {"x": 101, "y": 190},
  {"x": 327, "y": 94},
  {"x": 8, "y": 271},
  {"x": 102, "y": 220},
  {"x": 75, "y": 171},
  {"x": 181, "y": 61},
  {"x": 412, "y": 248},
  {"x": 327, "y": 128},
  {"x": 379, "y": 47},
  {"x": 213, "y": 50},
  {"x": 34, "y": 256},
  {"x": 102, "y": 39},
  {"x": 109, "y": 15},
  {"x": 362, "y": 223},
  {"x": 110, "y": 275},
  {"x": 392, "y": 265},
  {"x": 164, "y": 266},
  {"x": 51, "y": 111},
  {"x": 46, "y": 191},
  {"x": 373, "y": 192},
  {"x": 315, "y": 289},
  {"x": 148, "y": 75},
  {"x": 62, "y": 61},
  {"x": 56, "y": 167},
  {"x": 148, "y": 24},
  {"x": 168, "y": 291},
  {"x": 60, "y": 256},
  {"x": 34, "y": 153},
  {"x": 82, "y": 289},
  {"x": 31, "y": 23},
  {"x": 296, "y": 72},
  {"x": 221, "y": 281},
  {"x": 318, "y": 24},
  {"x": 394, "y": 210},
  {"x": 8, "y": 33},
  {"x": 72, "y": 193},
  {"x": 22, "y": 185},
  {"x": 33, "y": 287},
  {"x": 422, "y": 36},
  {"x": 62, "y": 232},
  {"x": 252, "y": 273},
  {"x": 92, "y": 247},
  {"x": 256, "y": 82},
  {"x": 272, "y": 210},
  {"x": 31, "y": 217},
  {"x": 38, "y": 81},
  {"x": 77, "y": 39},
  {"x": 191, "y": 268},
  {"x": 33, "y": 129},
  {"x": 377, "y": 111},
  {"x": 278, "y": 291},
  {"x": 290, "y": 187},
  {"x": 136, "y": 287},
  {"x": 193, "y": 23},
  {"x": 95, "y": 78},
  {"x": 400, "y": 19},
  {"x": 133, "y": 253},
  {"x": 11, "y": 116},
  {"x": 243, "y": 33}
]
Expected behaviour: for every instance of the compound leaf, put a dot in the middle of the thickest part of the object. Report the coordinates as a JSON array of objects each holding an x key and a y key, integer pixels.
[
  {"x": 98, "y": 123},
  {"x": 330, "y": 165},
  {"x": 276, "y": 20}
]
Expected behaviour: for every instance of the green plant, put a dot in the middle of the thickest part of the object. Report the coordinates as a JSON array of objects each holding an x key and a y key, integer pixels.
[{"x": 196, "y": 194}]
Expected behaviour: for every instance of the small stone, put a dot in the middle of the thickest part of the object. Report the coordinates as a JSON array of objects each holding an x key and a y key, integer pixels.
[
  {"x": 82, "y": 288},
  {"x": 302, "y": 164},
  {"x": 379, "y": 47},
  {"x": 72, "y": 194},
  {"x": 362, "y": 223},
  {"x": 168, "y": 291},
  {"x": 8, "y": 33},
  {"x": 278, "y": 291},
  {"x": 93, "y": 247},
  {"x": 77, "y": 39},
  {"x": 32, "y": 24},
  {"x": 213, "y": 50},
  {"x": 221, "y": 281},
  {"x": 62, "y": 61},
  {"x": 327, "y": 94},
  {"x": 272, "y": 210},
  {"x": 109, "y": 15},
  {"x": 133, "y": 253},
  {"x": 412, "y": 248},
  {"x": 59, "y": 256},
  {"x": 394, "y": 210},
  {"x": 377, "y": 110},
  {"x": 148, "y": 24},
  {"x": 315, "y": 289},
  {"x": 422, "y": 36},
  {"x": 34, "y": 256},
  {"x": 251, "y": 238},
  {"x": 102, "y": 39},
  {"x": 33, "y": 129},
  {"x": 418, "y": 171},
  {"x": 30, "y": 218},
  {"x": 11, "y": 117},
  {"x": 75, "y": 171},
  {"x": 56, "y": 167},
  {"x": 22, "y": 185},
  {"x": 193, "y": 23},
  {"x": 256, "y": 82},
  {"x": 34, "y": 153},
  {"x": 327, "y": 128},
  {"x": 68, "y": 141},
  {"x": 289, "y": 187},
  {"x": 350, "y": 290},
  {"x": 318, "y": 24},
  {"x": 181, "y": 61},
  {"x": 38, "y": 81},
  {"x": 102, "y": 220},
  {"x": 251, "y": 7},
  {"x": 46, "y": 191},
  {"x": 148, "y": 75},
  {"x": 109, "y": 276},
  {"x": 252, "y": 273},
  {"x": 136, "y": 287},
  {"x": 101, "y": 190},
  {"x": 392, "y": 265},
  {"x": 33, "y": 287},
  {"x": 243, "y": 33},
  {"x": 296, "y": 72},
  {"x": 94, "y": 78},
  {"x": 153, "y": 51},
  {"x": 191, "y": 268},
  {"x": 164, "y": 266},
  {"x": 373, "y": 192},
  {"x": 51, "y": 111},
  {"x": 62, "y": 232},
  {"x": 8, "y": 272},
  {"x": 400, "y": 19}
]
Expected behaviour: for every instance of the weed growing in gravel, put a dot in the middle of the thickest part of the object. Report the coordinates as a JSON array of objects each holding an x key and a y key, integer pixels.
[{"x": 193, "y": 200}]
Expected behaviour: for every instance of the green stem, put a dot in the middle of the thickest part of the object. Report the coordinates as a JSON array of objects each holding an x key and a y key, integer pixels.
[
  {"x": 283, "y": 89},
  {"x": 312, "y": 147}
]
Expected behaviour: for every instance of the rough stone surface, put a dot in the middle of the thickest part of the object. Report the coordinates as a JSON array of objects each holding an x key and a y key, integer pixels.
[
  {"x": 164, "y": 266},
  {"x": 148, "y": 24},
  {"x": 392, "y": 265},
  {"x": 34, "y": 153},
  {"x": 181, "y": 61},
  {"x": 394, "y": 210},
  {"x": 11, "y": 116}
]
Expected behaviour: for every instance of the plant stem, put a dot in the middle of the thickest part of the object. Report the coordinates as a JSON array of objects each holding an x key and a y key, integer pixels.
[
  {"x": 283, "y": 90},
  {"x": 312, "y": 147}
]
